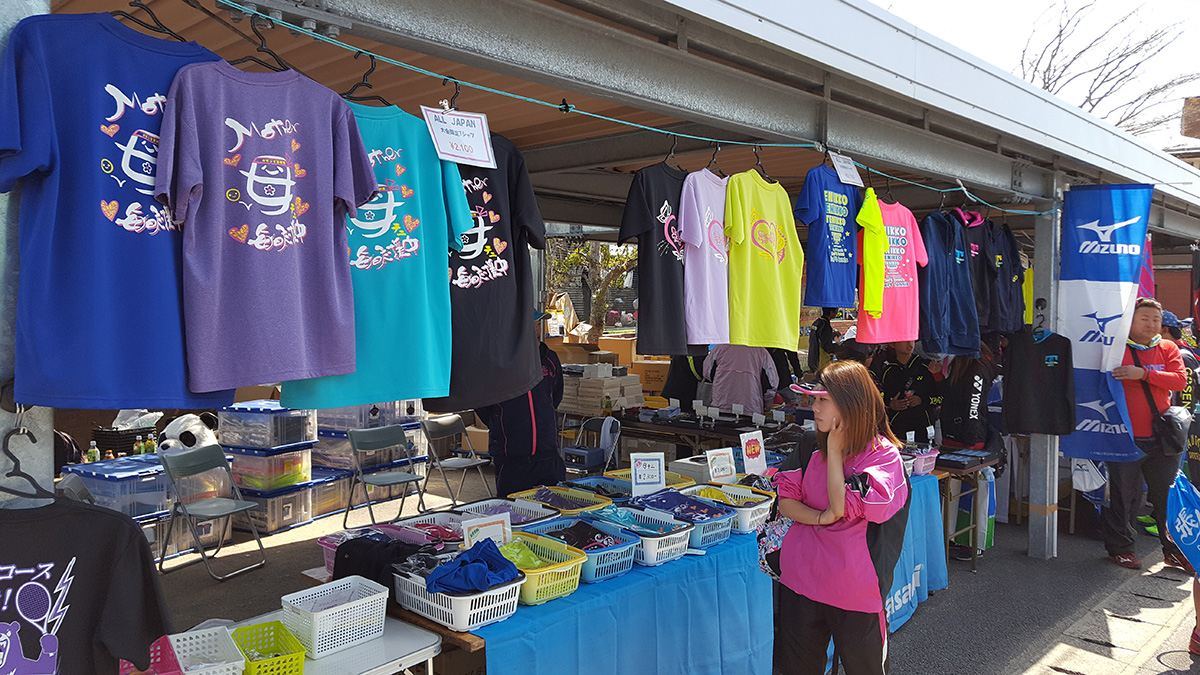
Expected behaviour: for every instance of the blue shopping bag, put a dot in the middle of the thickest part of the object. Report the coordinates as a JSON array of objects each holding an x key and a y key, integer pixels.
[{"x": 1183, "y": 518}]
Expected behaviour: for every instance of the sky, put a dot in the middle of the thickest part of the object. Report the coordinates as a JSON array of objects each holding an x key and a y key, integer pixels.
[{"x": 1007, "y": 24}]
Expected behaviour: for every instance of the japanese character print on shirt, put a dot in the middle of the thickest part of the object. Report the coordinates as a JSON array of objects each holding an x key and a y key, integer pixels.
[
  {"x": 483, "y": 256},
  {"x": 265, "y": 183},
  {"x": 132, "y": 160},
  {"x": 383, "y": 220},
  {"x": 37, "y": 596}
]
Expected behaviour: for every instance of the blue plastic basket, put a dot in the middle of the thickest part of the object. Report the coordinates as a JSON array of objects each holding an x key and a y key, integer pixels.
[
  {"x": 602, "y": 563},
  {"x": 587, "y": 482},
  {"x": 709, "y": 532},
  {"x": 774, "y": 459}
]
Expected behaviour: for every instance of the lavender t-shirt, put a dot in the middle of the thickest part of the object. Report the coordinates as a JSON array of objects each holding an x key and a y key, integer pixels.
[
  {"x": 705, "y": 258},
  {"x": 262, "y": 169}
]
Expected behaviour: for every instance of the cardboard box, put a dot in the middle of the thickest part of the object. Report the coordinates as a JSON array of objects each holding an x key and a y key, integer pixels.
[
  {"x": 479, "y": 438},
  {"x": 256, "y": 393},
  {"x": 624, "y": 347},
  {"x": 652, "y": 374},
  {"x": 602, "y": 357},
  {"x": 574, "y": 353}
]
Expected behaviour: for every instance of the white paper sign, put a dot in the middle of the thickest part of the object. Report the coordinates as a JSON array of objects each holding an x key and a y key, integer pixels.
[
  {"x": 846, "y": 171},
  {"x": 698, "y": 406},
  {"x": 738, "y": 408},
  {"x": 911, "y": 437},
  {"x": 754, "y": 453},
  {"x": 721, "y": 467},
  {"x": 758, "y": 420},
  {"x": 648, "y": 472},
  {"x": 714, "y": 412},
  {"x": 498, "y": 528},
  {"x": 460, "y": 137},
  {"x": 777, "y": 415}
]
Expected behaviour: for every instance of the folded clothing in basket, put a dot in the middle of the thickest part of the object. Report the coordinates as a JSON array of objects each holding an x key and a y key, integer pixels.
[
  {"x": 721, "y": 497},
  {"x": 521, "y": 556},
  {"x": 757, "y": 482},
  {"x": 374, "y": 559},
  {"x": 421, "y": 564},
  {"x": 680, "y": 505},
  {"x": 513, "y": 517},
  {"x": 626, "y": 520},
  {"x": 473, "y": 571},
  {"x": 547, "y": 496},
  {"x": 583, "y": 536},
  {"x": 440, "y": 531},
  {"x": 604, "y": 490}
]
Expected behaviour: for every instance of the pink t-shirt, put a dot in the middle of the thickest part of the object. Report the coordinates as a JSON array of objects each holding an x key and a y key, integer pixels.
[
  {"x": 901, "y": 298},
  {"x": 831, "y": 564}
]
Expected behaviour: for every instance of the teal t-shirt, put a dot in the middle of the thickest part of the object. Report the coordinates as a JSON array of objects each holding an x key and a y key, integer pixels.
[{"x": 399, "y": 264}]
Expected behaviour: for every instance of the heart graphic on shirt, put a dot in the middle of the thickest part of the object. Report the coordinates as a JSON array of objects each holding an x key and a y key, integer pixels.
[
  {"x": 240, "y": 233},
  {"x": 671, "y": 234},
  {"x": 299, "y": 207},
  {"x": 769, "y": 239},
  {"x": 411, "y": 223},
  {"x": 406, "y": 191},
  {"x": 487, "y": 196},
  {"x": 500, "y": 245},
  {"x": 109, "y": 208},
  {"x": 233, "y": 161},
  {"x": 300, "y": 173},
  {"x": 493, "y": 216},
  {"x": 400, "y": 170},
  {"x": 295, "y": 145},
  {"x": 110, "y": 129},
  {"x": 717, "y": 240}
]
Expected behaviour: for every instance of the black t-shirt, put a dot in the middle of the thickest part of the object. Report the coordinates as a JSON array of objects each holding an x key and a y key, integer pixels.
[
  {"x": 983, "y": 268},
  {"x": 525, "y": 425},
  {"x": 964, "y": 411},
  {"x": 683, "y": 379},
  {"x": 78, "y": 591},
  {"x": 1039, "y": 385},
  {"x": 495, "y": 352},
  {"x": 651, "y": 213},
  {"x": 1007, "y": 297}
]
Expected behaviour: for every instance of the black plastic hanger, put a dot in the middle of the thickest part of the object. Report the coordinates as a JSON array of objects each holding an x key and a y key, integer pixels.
[
  {"x": 759, "y": 165},
  {"x": 889, "y": 198},
  {"x": 452, "y": 104},
  {"x": 262, "y": 47},
  {"x": 349, "y": 95},
  {"x": 712, "y": 163},
  {"x": 16, "y": 472},
  {"x": 671, "y": 155},
  {"x": 157, "y": 26}
]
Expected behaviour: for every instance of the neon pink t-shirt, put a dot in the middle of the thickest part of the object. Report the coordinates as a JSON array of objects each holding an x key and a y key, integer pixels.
[
  {"x": 831, "y": 564},
  {"x": 901, "y": 298}
]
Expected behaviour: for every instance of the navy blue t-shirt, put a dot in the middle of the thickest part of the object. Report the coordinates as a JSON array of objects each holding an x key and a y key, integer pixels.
[
  {"x": 829, "y": 208},
  {"x": 99, "y": 320},
  {"x": 949, "y": 323}
]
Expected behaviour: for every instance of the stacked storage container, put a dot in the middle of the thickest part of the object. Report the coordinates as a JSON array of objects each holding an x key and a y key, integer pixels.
[
  {"x": 272, "y": 461},
  {"x": 332, "y": 451}
]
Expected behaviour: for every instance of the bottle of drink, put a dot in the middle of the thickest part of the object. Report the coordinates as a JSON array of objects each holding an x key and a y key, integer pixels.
[
  {"x": 93, "y": 453},
  {"x": 138, "y": 446},
  {"x": 151, "y": 445},
  {"x": 108, "y": 453}
]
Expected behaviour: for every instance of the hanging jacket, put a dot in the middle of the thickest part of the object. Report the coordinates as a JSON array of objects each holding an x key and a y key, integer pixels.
[
  {"x": 525, "y": 425},
  {"x": 895, "y": 378}
]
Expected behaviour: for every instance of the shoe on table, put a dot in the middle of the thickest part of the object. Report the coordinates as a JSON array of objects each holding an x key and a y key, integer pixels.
[
  {"x": 1177, "y": 560},
  {"x": 1126, "y": 560}
]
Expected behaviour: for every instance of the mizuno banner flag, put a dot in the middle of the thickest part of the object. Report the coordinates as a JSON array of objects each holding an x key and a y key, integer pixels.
[{"x": 1103, "y": 251}]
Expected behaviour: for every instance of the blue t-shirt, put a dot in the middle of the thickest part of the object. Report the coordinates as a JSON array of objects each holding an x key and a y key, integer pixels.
[
  {"x": 829, "y": 208},
  {"x": 99, "y": 323},
  {"x": 399, "y": 267}
]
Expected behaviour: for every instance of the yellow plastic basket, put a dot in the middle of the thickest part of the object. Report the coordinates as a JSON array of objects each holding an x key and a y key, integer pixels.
[
  {"x": 593, "y": 500},
  {"x": 674, "y": 480},
  {"x": 271, "y": 637},
  {"x": 556, "y": 580}
]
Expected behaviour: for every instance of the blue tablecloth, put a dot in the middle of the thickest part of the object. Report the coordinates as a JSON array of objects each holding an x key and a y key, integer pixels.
[
  {"x": 699, "y": 614},
  {"x": 922, "y": 564}
]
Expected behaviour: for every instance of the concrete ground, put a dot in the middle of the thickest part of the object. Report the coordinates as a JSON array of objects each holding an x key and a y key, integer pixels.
[{"x": 1075, "y": 614}]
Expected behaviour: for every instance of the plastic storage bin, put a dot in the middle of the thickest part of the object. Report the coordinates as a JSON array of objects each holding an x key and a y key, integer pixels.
[
  {"x": 673, "y": 479},
  {"x": 592, "y": 500},
  {"x": 922, "y": 463},
  {"x": 328, "y": 631},
  {"x": 278, "y": 509},
  {"x": 130, "y": 485},
  {"x": 271, "y": 637},
  {"x": 590, "y": 483},
  {"x": 369, "y": 416},
  {"x": 748, "y": 517},
  {"x": 534, "y": 511},
  {"x": 556, "y": 580},
  {"x": 409, "y": 411},
  {"x": 265, "y": 424},
  {"x": 602, "y": 563},
  {"x": 458, "y": 612},
  {"x": 656, "y": 549},
  {"x": 271, "y": 469},
  {"x": 211, "y": 645},
  {"x": 330, "y": 490},
  {"x": 333, "y": 450},
  {"x": 212, "y": 532}
]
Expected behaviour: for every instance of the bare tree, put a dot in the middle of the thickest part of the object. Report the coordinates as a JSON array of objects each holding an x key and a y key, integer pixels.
[{"x": 1102, "y": 68}]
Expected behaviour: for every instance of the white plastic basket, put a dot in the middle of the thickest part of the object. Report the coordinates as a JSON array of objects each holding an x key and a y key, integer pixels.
[
  {"x": 539, "y": 513},
  {"x": 331, "y": 630},
  {"x": 748, "y": 517},
  {"x": 460, "y": 613},
  {"x": 210, "y": 645},
  {"x": 656, "y": 549},
  {"x": 448, "y": 519}
]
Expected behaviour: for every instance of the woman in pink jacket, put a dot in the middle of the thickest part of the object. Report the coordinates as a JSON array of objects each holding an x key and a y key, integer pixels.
[{"x": 830, "y": 584}]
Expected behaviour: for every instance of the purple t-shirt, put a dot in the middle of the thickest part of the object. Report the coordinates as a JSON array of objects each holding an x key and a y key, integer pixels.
[
  {"x": 705, "y": 258},
  {"x": 262, "y": 169}
]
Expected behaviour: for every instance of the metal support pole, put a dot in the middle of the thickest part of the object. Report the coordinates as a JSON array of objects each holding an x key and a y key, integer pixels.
[{"x": 1043, "y": 449}]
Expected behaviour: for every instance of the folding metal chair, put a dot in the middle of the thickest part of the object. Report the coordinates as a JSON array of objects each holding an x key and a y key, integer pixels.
[
  {"x": 184, "y": 463},
  {"x": 448, "y": 426},
  {"x": 371, "y": 440}
]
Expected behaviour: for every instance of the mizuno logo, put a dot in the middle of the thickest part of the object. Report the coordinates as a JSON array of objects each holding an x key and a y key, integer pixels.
[
  {"x": 1104, "y": 234},
  {"x": 1102, "y": 323},
  {"x": 1105, "y": 231},
  {"x": 1098, "y": 335},
  {"x": 1098, "y": 407}
]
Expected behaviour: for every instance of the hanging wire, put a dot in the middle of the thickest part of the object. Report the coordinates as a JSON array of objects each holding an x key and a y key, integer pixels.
[{"x": 567, "y": 107}]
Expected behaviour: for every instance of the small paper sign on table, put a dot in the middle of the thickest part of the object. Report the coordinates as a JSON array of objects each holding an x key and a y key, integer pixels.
[
  {"x": 777, "y": 415},
  {"x": 721, "y": 467},
  {"x": 460, "y": 137},
  {"x": 648, "y": 472},
  {"x": 738, "y": 408},
  {"x": 698, "y": 406},
  {"x": 758, "y": 419},
  {"x": 752, "y": 450},
  {"x": 673, "y": 402},
  {"x": 498, "y": 528}
]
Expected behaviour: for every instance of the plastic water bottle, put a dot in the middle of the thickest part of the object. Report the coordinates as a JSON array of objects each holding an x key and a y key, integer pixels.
[
  {"x": 93, "y": 453},
  {"x": 138, "y": 447},
  {"x": 151, "y": 446}
]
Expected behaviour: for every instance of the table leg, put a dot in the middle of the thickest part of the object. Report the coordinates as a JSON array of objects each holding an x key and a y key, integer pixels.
[{"x": 975, "y": 522}]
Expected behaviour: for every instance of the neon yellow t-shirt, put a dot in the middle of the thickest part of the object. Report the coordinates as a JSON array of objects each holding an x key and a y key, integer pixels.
[
  {"x": 765, "y": 264},
  {"x": 872, "y": 246}
]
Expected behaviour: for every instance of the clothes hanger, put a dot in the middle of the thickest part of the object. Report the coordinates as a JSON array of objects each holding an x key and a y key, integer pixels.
[
  {"x": 39, "y": 492},
  {"x": 890, "y": 198},
  {"x": 759, "y": 165},
  {"x": 157, "y": 26},
  {"x": 452, "y": 103},
  {"x": 712, "y": 163},
  {"x": 671, "y": 155},
  {"x": 262, "y": 47},
  {"x": 349, "y": 95}
]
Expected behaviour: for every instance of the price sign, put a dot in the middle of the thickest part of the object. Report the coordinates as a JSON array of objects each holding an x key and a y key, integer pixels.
[
  {"x": 721, "y": 467},
  {"x": 460, "y": 137},
  {"x": 755, "y": 455},
  {"x": 648, "y": 473},
  {"x": 758, "y": 420},
  {"x": 672, "y": 403},
  {"x": 846, "y": 170},
  {"x": 777, "y": 415},
  {"x": 698, "y": 406},
  {"x": 498, "y": 528},
  {"x": 738, "y": 408}
]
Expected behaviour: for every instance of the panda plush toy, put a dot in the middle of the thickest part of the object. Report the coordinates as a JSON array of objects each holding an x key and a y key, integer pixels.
[{"x": 188, "y": 431}]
